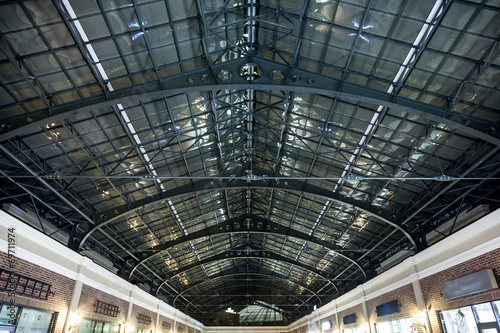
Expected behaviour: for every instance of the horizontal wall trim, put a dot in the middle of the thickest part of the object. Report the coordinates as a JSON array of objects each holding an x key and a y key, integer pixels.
[
  {"x": 476, "y": 239},
  {"x": 82, "y": 268},
  {"x": 472, "y": 241}
]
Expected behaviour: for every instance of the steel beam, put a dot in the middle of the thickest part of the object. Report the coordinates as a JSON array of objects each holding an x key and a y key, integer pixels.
[
  {"x": 224, "y": 275},
  {"x": 204, "y": 80},
  {"x": 230, "y": 255},
  {"x": 225, "y": 288},
  {"x": 293, "y": 185},
  {"x": 255, "y": 225}
]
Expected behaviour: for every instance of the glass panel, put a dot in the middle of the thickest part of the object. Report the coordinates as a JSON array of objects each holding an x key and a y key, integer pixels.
[
  {"x": 34, "y": 321},
  {"x": 484, "y": 313},
  {"x": 406, "y": 325},
  {"x": 86, "y": 326},
  {"x": 7, "y": 328},
  {"x": 496, "y": 307},
  {"x": 489, "y": 330},
  {"x": 383, "y": 327},
  {"x": 98, "y": 327},
  {"x": 111, "y": 328},
  {"x": 359, "y": 329},
  {"x": 395, "y": 326},
  {"x": 459, "y": 320},
  {"x": 8, "y": 314}
]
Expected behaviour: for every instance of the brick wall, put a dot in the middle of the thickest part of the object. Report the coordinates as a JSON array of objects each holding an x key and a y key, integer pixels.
[
  {"x": 358, "y": 310},
  {"x": 88, "y": 298},
  {"x": 137, "y": 310},
  {"x": 181, "y": 328},
  {"x": 60, "y": 285},
  {"x": 165, "y": 320},
  {"x": 333, "y": 320},
  {"x": 431, "y": 286},
  {"x": 406, "y": 302}
]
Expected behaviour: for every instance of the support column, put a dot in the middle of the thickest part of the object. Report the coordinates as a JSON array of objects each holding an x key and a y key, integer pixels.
[
  {"x": 129, "y": 311},
  {"x": 337, "y": 317},
  {"x": 71, "y": 321},
  {"x": 365, "y": 314},
  {"x": 365, "y": 309},
  {"x": 311, "y": 327},
  {"x": 419, "y": 297},
  {"x": 157, "y": 330},
  {"x": 174, "y": 324}
]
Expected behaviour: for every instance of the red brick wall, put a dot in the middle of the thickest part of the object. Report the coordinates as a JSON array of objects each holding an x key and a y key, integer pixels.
[
  {"x": 165, "y": 320},
  {"x": 88, "y": 298},
  {"x": 63, "y": 290},
  {"x": 431, "y": 286},
  {"x": 136, "y": 310},
  {"x": 406, "y": 302},
  {"x": 60, "y": 285},
  {"x": 181, "y": 328},
  {"x": 358, "y": 310},
  {"x": 332, "y": 320}
]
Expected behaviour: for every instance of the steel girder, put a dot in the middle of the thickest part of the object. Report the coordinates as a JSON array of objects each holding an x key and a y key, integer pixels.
[
  {"x": 224, "y": 275},
  {"x": 244, "y": 224},
  {"x": 210, "y": 185},
  {"x": 233, "y": 302},
  {"x": 240, "y": 254},
  {"x": 205, "y": 80},
  {"x": 269, "y": 287}
]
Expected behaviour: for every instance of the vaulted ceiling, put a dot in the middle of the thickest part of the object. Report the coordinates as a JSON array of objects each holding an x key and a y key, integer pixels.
[{"x": 263, "y": 155}]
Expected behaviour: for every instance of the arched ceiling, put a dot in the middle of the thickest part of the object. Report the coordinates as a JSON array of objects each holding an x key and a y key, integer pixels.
[{"x": 289, "y": 149}]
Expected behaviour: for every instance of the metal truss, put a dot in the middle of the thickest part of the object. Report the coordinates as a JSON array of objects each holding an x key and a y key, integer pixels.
[{"x": 203, "y": 80}]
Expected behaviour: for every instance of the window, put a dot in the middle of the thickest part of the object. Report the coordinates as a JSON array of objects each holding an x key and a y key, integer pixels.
[
  {"x": 496, "y": 307},
  {"x": 484, "y": 313},
  {"x": 25, "y": 320},
  {"x": 405, "y": 325},
  {"x": 459, "y": 320},
  {"x": 140, "y": 330},
  {"x": 476, "y": 318},
  {"x": 359, "y": 329},
  {"x": 8, "y": 314},
  {"x": 93, "y": 326},
  {"x": 34, "y": 321}
]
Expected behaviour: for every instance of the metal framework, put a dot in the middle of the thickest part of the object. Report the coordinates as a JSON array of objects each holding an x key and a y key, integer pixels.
[{"x": 293, "y": 148}]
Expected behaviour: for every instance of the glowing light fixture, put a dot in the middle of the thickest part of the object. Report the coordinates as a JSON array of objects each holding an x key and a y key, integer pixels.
[{"x": 326, "y": 325}]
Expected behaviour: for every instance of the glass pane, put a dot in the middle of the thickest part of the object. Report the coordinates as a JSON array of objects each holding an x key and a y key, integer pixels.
[
  {"x": 484, "y": 313},
  {"x": 383, "y": 327},
  {"x": 86, "y": 326},
  {"x": 407, "y": 325},
  {"x": 496, "y": 307},
  {"x": 34, "y": 321},
  {"x": 98, "y": 327},
  {"x": 459, "y": 320},
  {"x": 8, "y": 314},
  {"x": 111, "y": 328},
  {"x": 395, "y": 326},
  {"x": 489, "y": 330},
  {"x": 359, "y": 329},
  {"x": 7, "y": 328}
]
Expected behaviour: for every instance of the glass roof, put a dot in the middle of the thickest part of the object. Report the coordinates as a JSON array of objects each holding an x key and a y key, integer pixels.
[{"x": 292, "y": 148}]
